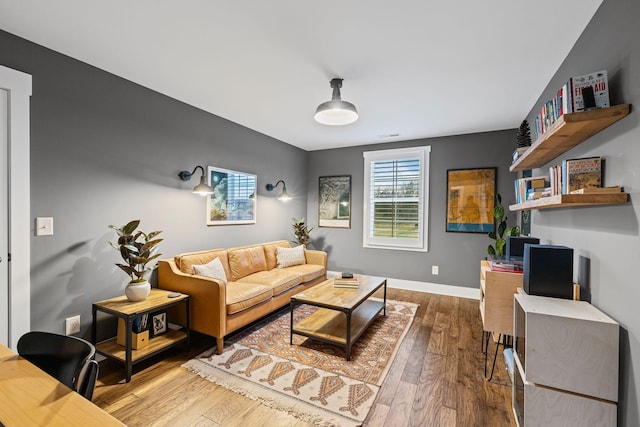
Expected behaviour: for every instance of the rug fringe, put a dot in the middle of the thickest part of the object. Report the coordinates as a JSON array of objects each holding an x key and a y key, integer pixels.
[{"x": 292, "y": 406}]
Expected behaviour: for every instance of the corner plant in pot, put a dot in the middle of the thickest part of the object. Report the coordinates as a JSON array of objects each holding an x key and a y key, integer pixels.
[{"x": 137, "y": 249}]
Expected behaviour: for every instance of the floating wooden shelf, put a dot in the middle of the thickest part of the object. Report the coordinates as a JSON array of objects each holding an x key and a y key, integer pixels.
[
  {"x": 572, "y": 200},
  {"x": 569, "y": 131}
]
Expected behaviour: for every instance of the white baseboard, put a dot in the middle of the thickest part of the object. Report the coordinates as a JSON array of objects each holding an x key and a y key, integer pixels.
[{"x": 432, "y": 288}]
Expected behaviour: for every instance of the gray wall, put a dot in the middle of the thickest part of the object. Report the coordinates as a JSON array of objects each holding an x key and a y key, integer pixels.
[
  {"x": 457, "y": 254},
  {"x": 105, "y": 151},
  {"x": 607, "y": 237}
]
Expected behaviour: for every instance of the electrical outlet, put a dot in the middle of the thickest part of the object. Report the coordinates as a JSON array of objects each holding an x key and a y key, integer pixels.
[
  {"x": 72, "y": 325},
  {"x": 435, "y": 270}
]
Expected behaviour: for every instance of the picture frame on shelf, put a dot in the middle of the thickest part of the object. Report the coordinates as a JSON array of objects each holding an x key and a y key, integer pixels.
[
  {"x": 159, "y": 324},
  {"x": 234, "y": 197},
  {"x": 334, "y": 201},
  {"x": 471, "y": 195}
]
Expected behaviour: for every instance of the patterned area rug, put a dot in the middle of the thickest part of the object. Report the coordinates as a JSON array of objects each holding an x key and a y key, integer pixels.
[{"x": 311, "y": 380}]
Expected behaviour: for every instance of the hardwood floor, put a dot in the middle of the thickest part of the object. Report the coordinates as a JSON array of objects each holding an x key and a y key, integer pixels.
[{"x": 437, "y": 379}]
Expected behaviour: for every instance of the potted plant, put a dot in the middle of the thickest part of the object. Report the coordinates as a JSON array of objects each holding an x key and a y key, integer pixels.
[
  {"x": 502, "y": 231},
  {"x": 301, "y": 231},
  {"x": 137, "y": 249}
]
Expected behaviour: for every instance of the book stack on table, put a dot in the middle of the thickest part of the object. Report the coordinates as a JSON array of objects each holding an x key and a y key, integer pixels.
[{"x": 347, "y": 280}]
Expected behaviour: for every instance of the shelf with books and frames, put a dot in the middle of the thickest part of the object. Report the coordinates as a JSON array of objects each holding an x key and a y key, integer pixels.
[
  {"x": 578, "y": 110},
  {"x": 574, "y": 182},
  {"x": 568, "y": 131},
  {"x": 572, "y": 200}
]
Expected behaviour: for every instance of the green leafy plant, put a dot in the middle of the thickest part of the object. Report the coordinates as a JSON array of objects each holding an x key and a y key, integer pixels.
[
  {"x": 137, "y": 249},
  {"x": 502, "y": 230},
  {"x": 301, "y": 231}
]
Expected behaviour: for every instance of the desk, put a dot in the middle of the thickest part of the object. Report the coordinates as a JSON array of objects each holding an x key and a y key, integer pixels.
[{"x": 31, "y": 397}]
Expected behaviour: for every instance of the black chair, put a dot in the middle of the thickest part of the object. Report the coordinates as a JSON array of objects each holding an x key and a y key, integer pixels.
[{"x": 68, "y": 359}]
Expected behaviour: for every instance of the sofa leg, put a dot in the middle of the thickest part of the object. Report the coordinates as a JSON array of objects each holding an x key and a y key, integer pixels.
[{"x": 219, "y": 344}]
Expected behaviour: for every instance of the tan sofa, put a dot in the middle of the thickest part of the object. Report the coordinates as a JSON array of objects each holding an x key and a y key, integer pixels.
[{"x": 255, "y": 285}]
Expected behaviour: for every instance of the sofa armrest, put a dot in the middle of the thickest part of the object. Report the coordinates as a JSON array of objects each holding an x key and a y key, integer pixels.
[
  {"x": 316, "y": 257},
  {"x": 207, "y": 305}
]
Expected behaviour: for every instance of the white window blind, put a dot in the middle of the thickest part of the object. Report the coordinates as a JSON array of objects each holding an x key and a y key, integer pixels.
[{"x": 396, "y": 198}]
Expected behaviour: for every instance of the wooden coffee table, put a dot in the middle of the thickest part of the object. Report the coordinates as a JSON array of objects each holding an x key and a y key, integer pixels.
[{"x": 343, "y": 314}]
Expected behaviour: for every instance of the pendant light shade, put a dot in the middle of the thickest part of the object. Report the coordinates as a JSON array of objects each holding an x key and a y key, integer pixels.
[{"x": 336, "y": 112}]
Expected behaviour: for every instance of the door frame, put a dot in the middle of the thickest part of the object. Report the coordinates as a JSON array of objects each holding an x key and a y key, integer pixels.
[{"x": 18, "y": 84}]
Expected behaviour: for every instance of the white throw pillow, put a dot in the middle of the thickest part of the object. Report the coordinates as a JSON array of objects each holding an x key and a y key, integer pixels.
[
  {"x": 287, "y": 257},
  {"x": 213, "y": 269}
]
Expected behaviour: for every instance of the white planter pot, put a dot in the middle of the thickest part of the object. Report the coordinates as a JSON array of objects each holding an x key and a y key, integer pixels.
[{"x": 137, "y": 291}]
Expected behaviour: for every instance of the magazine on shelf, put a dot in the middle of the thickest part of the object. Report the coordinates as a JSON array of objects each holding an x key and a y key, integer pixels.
[
  {"x": 598, "y": 82},
  {"x": 582, "y": 173}
]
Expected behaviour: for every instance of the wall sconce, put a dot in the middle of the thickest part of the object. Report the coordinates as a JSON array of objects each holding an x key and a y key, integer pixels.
[
  {"x": 202, "y": 189},
  {"x": 284, "y": 196}
]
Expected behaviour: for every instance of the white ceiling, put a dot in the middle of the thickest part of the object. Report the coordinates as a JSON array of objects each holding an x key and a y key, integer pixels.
[{"x": 416, "y": 68}]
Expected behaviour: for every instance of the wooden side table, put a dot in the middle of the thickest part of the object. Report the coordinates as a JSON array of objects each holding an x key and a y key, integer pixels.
[
  {"x": 122, "y": 308},
  {"x": 496, "y": 307}
]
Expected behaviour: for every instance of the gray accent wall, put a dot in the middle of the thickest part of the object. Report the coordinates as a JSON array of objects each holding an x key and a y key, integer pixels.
[
  {"x": 606, "y": 239},
  {"x": 106, "y": 151},
  {"x": 458, "y": 255}
]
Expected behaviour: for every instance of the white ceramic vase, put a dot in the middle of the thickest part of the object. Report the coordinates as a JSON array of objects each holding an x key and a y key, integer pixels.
[{"x": 137, "y": 291}]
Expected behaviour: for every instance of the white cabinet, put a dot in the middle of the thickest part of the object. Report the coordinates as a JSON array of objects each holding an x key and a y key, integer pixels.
[{"x": 566, "y": 353}]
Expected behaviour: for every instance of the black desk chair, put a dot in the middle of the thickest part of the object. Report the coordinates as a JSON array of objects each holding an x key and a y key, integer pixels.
[{"x": 68, "y": 359}]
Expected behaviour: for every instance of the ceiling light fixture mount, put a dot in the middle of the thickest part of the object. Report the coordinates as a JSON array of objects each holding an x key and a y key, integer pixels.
[
  {"x": 336, "y": 112},
  {"x": 203, "y": 188}
]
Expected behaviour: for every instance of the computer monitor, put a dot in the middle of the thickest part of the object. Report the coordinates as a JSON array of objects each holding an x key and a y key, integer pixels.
[{"x": 515, "y": 246}]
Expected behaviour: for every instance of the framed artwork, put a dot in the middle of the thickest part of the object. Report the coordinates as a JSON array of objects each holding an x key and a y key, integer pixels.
[
  {"x": 234, "y": 197},
  {"x": 158, "y": 323},
  {"x": 334, "y": 201},
  {"x": 470, "y": 200}
]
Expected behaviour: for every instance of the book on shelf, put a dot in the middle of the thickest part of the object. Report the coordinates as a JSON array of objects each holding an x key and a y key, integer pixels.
[
  {"x": 523, "y": 186},
  {"x": 570, "y": 98},
  {"x": 518, "y": 153},
  {"x": 598, "y": 190},
  {"x": 581, "y": 173},
  {"x": 535, "y": 194},
  {"x": 340, "y": 282},
  {"x": 598, "y": 84},
  {"x": 506, "y": 266}
]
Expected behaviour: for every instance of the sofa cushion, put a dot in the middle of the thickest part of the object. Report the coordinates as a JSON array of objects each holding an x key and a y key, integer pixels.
[
  {"x": 186, "y": 261},
  {"x": 270, "y": 252},
  {"x": 290, "y": 256},
  {"x": 241, "y": 296},
  {"x": 244, "y": 261},
  {"x": 213, "y": 269},
  {"x": 308, "y": 272},
  {"x": 278, "y": 280}
]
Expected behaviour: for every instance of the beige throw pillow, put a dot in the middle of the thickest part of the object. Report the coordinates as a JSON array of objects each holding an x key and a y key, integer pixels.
[
  {"x": 212, "y": 269},
  {"x": 290, "y": 256}
]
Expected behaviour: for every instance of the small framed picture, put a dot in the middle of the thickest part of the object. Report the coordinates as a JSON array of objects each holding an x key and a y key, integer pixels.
[
  {"x": 158, "y": 323},
  {"x": 334, "y": 204}
]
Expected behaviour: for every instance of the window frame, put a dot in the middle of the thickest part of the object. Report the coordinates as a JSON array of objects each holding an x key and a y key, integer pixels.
[{"x": 420, "y": 244}]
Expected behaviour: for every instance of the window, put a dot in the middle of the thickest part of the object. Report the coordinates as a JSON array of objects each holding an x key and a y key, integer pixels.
[{"x": 396, "y": 192}]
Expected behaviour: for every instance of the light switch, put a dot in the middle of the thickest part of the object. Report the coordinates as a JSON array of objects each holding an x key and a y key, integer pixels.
[{"x": 44, "y": 226}]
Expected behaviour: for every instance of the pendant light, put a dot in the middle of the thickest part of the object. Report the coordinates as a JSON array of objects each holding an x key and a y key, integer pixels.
[{"x": 336, "y": 112}]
